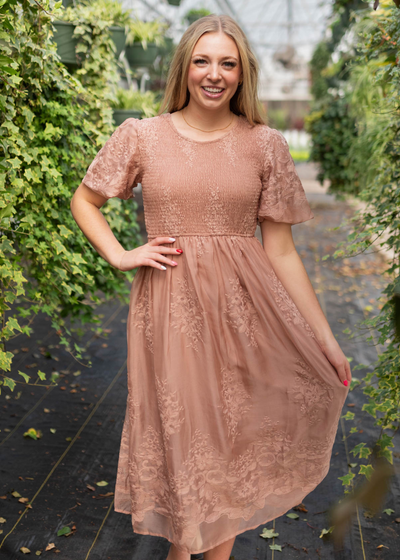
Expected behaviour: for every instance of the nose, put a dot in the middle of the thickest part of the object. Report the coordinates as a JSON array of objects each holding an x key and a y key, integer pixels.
[{"x": 214, "y": 74}]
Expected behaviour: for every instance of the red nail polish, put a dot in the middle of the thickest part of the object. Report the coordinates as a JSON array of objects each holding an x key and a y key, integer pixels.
[
  {"x": 179, "y": 251},
  {"x": 346, "y": 382}
]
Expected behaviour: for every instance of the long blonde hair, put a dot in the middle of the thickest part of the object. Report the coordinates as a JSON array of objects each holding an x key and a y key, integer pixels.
[{"x": 245, "y": 100}]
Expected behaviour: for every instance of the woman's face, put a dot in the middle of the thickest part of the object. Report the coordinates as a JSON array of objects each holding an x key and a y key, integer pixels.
[{"x": 214, "y": 64}]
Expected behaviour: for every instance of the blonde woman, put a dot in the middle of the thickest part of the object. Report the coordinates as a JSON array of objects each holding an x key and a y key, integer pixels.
[{"x": 236, "y": 382}]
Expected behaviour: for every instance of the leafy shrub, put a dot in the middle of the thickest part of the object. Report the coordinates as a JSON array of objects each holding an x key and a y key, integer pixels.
[{"x": 47, "y": 143}]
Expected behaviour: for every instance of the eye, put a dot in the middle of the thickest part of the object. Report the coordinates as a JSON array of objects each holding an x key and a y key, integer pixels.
[
  {"x": 230, "y": 64},
  {"x": 199, "y": 60}
]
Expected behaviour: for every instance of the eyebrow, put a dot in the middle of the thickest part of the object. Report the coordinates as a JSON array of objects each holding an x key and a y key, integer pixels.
[{"x": 223, "y": 58}]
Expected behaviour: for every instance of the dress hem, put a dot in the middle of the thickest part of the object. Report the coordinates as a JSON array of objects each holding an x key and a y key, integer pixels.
[{"x": 153, "y": 534}]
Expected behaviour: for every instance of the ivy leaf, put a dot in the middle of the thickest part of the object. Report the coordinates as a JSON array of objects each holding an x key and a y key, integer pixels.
[
  {"x": 388, "y": 511},
  {"x": 292, "y": 515},
  {"x": 346, "y": 480},
  {"x": 7, "y": 211},
  {"x": 64, "y": 232},
  {"x": 10, "y": 383},
  {"x": 25, "y": 376},
  {"x": 268, "y": 533},
  {"x": 275, "y": 547}
]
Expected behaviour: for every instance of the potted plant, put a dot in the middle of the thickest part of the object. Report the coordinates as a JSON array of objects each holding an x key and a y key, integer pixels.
[
  {"x": 134, "y": 104},
  {"x": 174, "y": 2},
  {"x": 107, "y": 15},
  {"x": 143, "y": 41},
  {"x": 194, "y": 15}
]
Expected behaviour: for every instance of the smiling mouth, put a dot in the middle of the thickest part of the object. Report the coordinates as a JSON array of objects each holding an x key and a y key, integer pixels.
[{"x": 213, "y": 89}]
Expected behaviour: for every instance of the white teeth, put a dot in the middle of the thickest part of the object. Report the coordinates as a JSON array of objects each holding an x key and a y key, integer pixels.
[{"x": 213, "y": 90}]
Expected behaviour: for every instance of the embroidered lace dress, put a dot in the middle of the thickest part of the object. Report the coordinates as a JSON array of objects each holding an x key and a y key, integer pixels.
[{"x": 232, "y": 406}]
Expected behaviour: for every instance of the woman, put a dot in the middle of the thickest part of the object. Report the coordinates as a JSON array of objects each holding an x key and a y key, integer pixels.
[{"x": 236, "y": 382}]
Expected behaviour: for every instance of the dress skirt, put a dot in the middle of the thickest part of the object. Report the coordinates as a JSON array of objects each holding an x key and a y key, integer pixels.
[{"x": 232, "y": 408}]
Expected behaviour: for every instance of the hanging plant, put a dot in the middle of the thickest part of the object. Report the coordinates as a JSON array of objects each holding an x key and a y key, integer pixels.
[
  {"x": 194, "y": 15},
  {"x": 134, "y": 104},
  {"x": 143, "y": 41}
]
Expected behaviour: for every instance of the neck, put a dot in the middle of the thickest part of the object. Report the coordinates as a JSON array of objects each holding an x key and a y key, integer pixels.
[{"x": 207, "y": 118}]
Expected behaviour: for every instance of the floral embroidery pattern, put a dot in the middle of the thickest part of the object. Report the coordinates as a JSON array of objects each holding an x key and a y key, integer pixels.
[
  {"x": 283, "y": 197},
  {"x": 229, "y": 147},
  {"x": 234, "y": 396},
  {"x": 287, "y": 305},
  {"x": 188, "y": 316},
  {"x": 143, "y": 313},
  {"x": 215, "y": 218},
  {"x": 200, "y": 241},
  {"x": 241, "y": 311},
  {"x": 310, "y": 393},
  {"x": 132, "y": 407},
  {"x": 148, "y": 146},
  {"x": 171, "y": 411},
  {"x": 208, "y": 485}
]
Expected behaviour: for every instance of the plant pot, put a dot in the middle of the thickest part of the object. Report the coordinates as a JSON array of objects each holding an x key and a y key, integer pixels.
[
  {"x": 138, "y": 56},
  {"x": 120, "y": 115},
  {"x": 174, "y": 2},
  {"x": 66, "y": 43},
  {"x": 119, "y": 38}
]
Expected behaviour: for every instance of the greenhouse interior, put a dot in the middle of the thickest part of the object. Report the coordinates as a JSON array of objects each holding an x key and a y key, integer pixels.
[{"x": 94, "y": 352}]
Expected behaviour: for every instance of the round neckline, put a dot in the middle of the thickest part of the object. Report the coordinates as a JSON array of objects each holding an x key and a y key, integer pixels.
[{"x": 172, "y": 124}]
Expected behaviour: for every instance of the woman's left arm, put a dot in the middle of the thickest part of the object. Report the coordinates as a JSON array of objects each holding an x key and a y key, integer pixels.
[{"x": 280, "y": 248}]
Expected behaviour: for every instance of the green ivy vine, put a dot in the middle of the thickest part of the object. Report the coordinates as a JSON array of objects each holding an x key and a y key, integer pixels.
[{"x": 48, "y": 137}]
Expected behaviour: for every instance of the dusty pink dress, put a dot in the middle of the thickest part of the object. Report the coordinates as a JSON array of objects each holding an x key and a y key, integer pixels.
[{"x": 233, "y": 408}]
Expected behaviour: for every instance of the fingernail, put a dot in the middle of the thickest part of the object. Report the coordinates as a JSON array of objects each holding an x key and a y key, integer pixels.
[
  {"x": 346, "y": 382},
  {"x": 163, "y": 267},
  {"x": 179, "y": 251},
  {"x": 172, "y": 238},
  {"x": 173, "y": 262}
]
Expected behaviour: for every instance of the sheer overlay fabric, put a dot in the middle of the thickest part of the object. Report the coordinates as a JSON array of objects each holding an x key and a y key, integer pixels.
[{"x": 232, "y": 407}]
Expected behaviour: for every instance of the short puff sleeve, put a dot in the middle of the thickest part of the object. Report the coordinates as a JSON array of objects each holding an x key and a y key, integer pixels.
[
  {"x": 282, "y": 197},
  {"x": 116, "y": 168}
]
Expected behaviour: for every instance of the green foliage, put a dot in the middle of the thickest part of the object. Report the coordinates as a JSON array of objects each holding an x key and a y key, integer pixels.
[
  {"x": 278, "y": 118},
  {"x": 333, "y": 131},
  {"x": 98, "y": 69},
  {"x": 199, "y": 13},
  {"x": 363, "y": 128},
  {"x": 135, "y": 100},
  {"x": 145, "y": 32},
  {"x": 49, "y": 136},
  {"x": 319, "y": 61}
]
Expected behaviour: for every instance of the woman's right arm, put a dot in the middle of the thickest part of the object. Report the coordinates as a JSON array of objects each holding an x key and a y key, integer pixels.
[{"x": 85, "y": 207}]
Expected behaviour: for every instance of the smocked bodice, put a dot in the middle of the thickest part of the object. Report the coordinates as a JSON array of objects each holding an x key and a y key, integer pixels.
[{"x": 216, "y": 187}]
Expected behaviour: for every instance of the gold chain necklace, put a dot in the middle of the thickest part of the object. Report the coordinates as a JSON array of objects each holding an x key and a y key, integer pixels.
[{"x": 207, "y": 130}]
